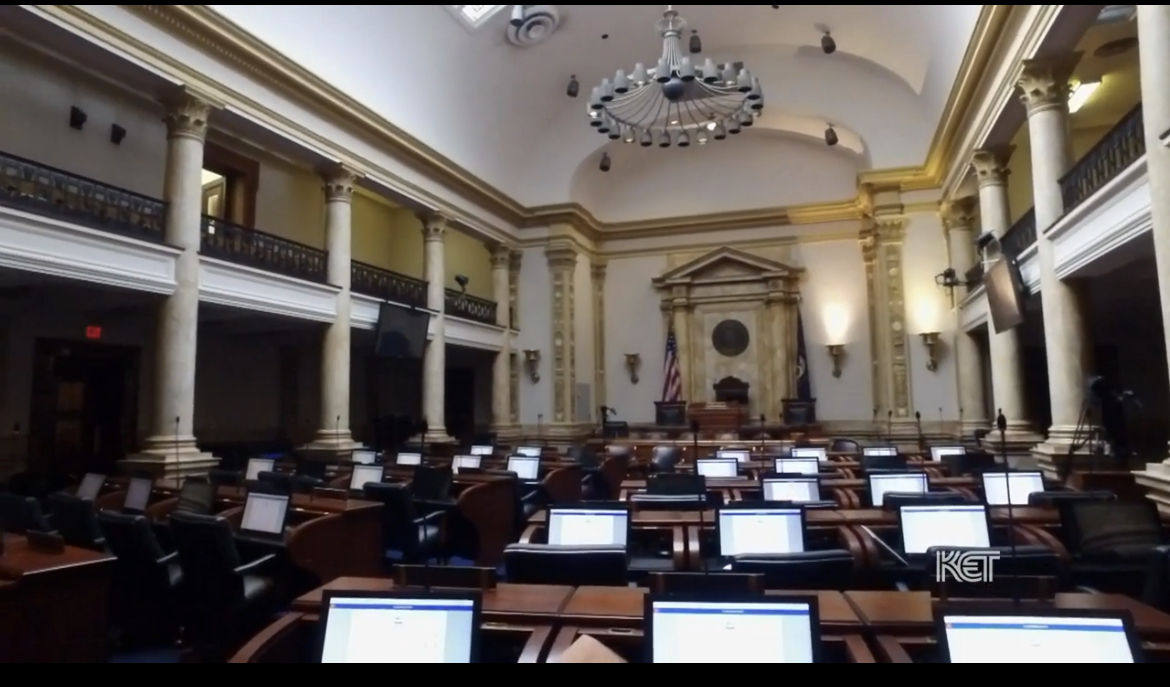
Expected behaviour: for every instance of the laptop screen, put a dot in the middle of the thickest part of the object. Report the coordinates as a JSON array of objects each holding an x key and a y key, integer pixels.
[
  {"x": 879, "y": 451},
  {"x": 795, "y": 489},
  {"x": 588, "y": 527},
  {"x": 810, "y": 452},
  {"x": 256, "y": 466},
  {"x": 760, "y": 530},
  {"x": 1001, "y": 487},
  {"x": 264, "y": 513},
  {"x": 937, "y": 452},
  {"x": 91, "y": 486},
  {"x": 798, "y": 466},
  {"x": 138, "y": 494},
  {"x": 363, "y": 475},
  {"x": 364, "y": 457},
  {"x": 717, "y": 468},
  {"x": 528, "y": 451},
  {"x": 473, "y": 462},
  {"x": 525, "y": 467},
  {"x": 734, "y": 454},
  {"x": 482, "y": 450},
  {"x": 881, "y": 484},
  {"x": 409, "y": 459},
  {"x": 1036, "y": 639},
  {"x": 731, "y": 632},
  {"x": 944, "y": 525},
  {"x": 399, "y": 629}
]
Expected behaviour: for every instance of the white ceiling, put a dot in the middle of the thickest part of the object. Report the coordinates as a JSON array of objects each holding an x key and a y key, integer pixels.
[{"x": 501, "y": 111}]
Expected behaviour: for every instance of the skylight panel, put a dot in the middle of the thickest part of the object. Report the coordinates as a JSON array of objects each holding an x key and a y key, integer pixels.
[{"x": 475, "y": 15}]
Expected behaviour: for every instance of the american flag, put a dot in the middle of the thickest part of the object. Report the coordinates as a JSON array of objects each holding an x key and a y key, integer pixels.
[{"x": 672, "y": 375}]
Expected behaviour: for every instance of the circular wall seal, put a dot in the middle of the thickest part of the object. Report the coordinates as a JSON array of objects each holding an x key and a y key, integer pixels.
[{"x": 730, "y": 338}]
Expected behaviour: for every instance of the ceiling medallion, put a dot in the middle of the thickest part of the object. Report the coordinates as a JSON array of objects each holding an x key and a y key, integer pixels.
[{"x": 676, "y": 102}]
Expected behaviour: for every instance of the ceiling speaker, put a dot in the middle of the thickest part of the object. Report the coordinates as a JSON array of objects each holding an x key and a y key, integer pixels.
[{"x": 539, "y": 22}]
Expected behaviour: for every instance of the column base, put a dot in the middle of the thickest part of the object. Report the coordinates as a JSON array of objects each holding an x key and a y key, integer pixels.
[
  {"x": 170, "y": 456},
  {"x": 333, "y": 441},
  {"x": 437, "y": 437},
  {"x": 1016, "y": 447},
  {"x": 969, "y": 425},
  {"x": 1056, "y": 458},
  {"x": 1156, "y": 480},
  {"x": 507, "y": 433}
]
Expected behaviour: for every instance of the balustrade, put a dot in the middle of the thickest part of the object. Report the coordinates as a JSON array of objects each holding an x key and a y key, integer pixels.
[
  {"x": 391, "y": 286},
  {"x": 253, "y": 248},
  {"x": 470, "y": 307}
]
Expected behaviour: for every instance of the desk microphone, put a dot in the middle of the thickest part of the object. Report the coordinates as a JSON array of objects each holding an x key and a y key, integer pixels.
[
  {"x": 763, "y": 435},
  {"x": 890, "y": 427},
  {"x": 921, "y": 437},
  {"x": 960, "y": 424},
  {"x": 886, "y": 547},
  {"x": 176, "y": 442},
  {"x": 701, "y": 488},
  {"x": 540, "y": 428},
  {"x": 1001, "y": 426}
]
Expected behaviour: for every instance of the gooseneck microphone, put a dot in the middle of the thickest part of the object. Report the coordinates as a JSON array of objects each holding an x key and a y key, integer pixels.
[
  {"x": 176, "y": 442},
  {"x": 921, "y": 437},
  {"x": 1001, "y": 426},
  {"x": 890, "y": 426},
  {"x": 763, "y": 435},
  {"x": 701, "y": 491}
]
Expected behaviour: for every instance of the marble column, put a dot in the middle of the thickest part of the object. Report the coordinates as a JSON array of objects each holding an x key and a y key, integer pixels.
[
  {"x": 562, "y": 266},
  {"x": 881, "y": 247},
  {"x": 334, "y": 432},
  {"x": 501, "y": 367},
  {"x": 170, "y": 449},
  {"x": 435, "y": 356},
  {"x": 959, "y": 220},
  {"x": 514, "y": 305},
  {"x": 1044, "y": 90},
  {"x": 597, "y": 275}
]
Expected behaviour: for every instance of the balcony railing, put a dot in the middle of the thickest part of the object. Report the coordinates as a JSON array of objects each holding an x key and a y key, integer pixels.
[
  {"x": 1020, "y": 235},
  {"x": 391, "y": 286},
  {"x": 470, "y": 307},
  {"x": 243, "y": 246},
  {"x": 1113, "y": 154},
  {"x": 974, "y": 276},
  {"x": 33, "y": 187}
]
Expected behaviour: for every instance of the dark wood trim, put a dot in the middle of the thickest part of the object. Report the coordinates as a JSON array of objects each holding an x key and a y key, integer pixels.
[{"x": 243, "y": 181}]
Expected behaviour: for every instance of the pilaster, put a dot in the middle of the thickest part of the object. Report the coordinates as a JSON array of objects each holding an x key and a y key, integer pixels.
[
  {"x": 882, "y": 251},
  {"x": 562, "y": 265},
  {"x": 501, "y": 367},
  {"x": 514, "y": 288},
  {"x": 597, "y": 280}
]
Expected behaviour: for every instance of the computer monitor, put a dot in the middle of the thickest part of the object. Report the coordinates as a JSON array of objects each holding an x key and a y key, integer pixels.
[
  {"x": 738, "y": 455},
  {"x": 459, "y": 462},
  {"x": 91, "y": 486},
  {"x": 1039, "y": 636},
  {"x": 409, "y": 459},
  {"x": 950, "y": 525},
  {"x": 363, "y": 475},
  {"x": 598, "y": 524},
  {"x": 937, "y": 452},
  {"x": 138, "y": 495},
  {"x": 879, "y": 451},
  {"x": 882, "y": 483},
  {"x": 820, "y": 453},
  {"x": 526, "y": 467},
  {"x": 717, "y": 468},
  {"x": 760, "y": 530},
  {"x": 197, "y": 496},
  {"x": 798, "y": 466},
  {"x": 679, "y": 629},
  {"x": 400, "y": 627},
  {"x": 264, "y": 513},
  {"x": 532, "y": 451},
  {"x": 482, "y": 450},
  {"x": 363, "y": 457},
  {"x": 256, "y": 466},
  {"x": 795, "y": 489},
  {"x": 1001, "y": 487}
]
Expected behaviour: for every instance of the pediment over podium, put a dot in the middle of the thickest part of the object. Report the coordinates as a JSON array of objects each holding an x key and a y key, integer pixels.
[{"x": 727, "y": 265}]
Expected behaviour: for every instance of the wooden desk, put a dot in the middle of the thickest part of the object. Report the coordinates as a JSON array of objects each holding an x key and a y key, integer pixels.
[
  {"x": 53, "y": 606},
  {"x": 823, "y": 517}
]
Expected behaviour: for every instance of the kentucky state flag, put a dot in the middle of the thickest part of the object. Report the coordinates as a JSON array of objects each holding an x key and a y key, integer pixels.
[{"x": 803, "y": 382}]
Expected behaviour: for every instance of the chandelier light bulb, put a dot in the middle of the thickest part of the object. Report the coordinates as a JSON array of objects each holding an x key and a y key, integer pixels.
[
  {"x": 686, "y": 70},
  {"x": 720, "y": 132},
  {"x": 733, "y": 128},
  {"x": 710, "y": 71},
  {"x": 647, "y": 139},
  {"x": 621, "y": 84},
  {"x": 684, "y": 139}
]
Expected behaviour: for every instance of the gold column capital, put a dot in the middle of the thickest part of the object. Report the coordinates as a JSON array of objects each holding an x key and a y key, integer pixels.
[
  {"x": 1043, "y": 83},
  {"x": 960, "y": 214},
  {"x": 990, "y": 164}
]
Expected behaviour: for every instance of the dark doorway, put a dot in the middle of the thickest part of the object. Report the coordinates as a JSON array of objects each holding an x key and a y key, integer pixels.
[
  {"x": 84, "y": 408},
  {"x": 460, "y": 403}
]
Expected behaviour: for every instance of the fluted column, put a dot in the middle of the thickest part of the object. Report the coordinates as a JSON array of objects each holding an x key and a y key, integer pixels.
[
  {"x": 881, "y": 247},
  {"x": 1044, "y": 90},
  {"x": 171, "y": 449},
  {"x": 501, "y": 367},
  {"x": 562, "y": 265},
  {"x": 960, "y": 222},
  {"x": 435, "y": 356},
  {"x": 334, "y": 431}
]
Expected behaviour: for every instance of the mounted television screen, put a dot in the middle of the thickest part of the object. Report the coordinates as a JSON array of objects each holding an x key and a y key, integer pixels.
[
  {"x": 401, "y": 332},
  {"x": 1005, "y": 295}
]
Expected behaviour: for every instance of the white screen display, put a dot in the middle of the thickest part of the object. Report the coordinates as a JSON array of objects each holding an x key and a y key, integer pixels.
[
  {"x": 580, "y": 527},
  {"x": 717, "y": 468},
  {"x": 797, "y": 490},
  {"x": 256, "y": 466},
  {"x": 897, "y": 483},
  {"x": 363, "y": 475},
  {"x": 879, "y": 451},
  {"x": 91, "y": 486},
  {"x": 688, "y": 632},
  {"x": 736, "y": 455},
  {"x": 466, "y": 462},
  {"x": 409, "y": 459},
  {"x": 806, "y": 452},
  {"x": 364, "y": 457},
  {"x": 798, "y": 466},
  {"x": 138, "y": 494},
  {"x": 953, "y": 525},
  {"x": 760, "y": 530},
  {"x": 937, "y": 452},
  {"x": 525, "y": 467},
  {"x": 1023, "y": 639},
  {"x": 398, "y": 631},
  {"x": 482, "y": 450},
  {"x": 528, "y": 451},
  {"x": 999, "y": 487},
  {"x": 264, "y": 513}
]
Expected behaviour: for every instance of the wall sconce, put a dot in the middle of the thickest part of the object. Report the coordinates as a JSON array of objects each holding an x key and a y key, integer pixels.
[
  {"x": 836, "y": 354},
  {"x": 930, "y": 342},
  {"x": 532, "y": 364},
  {"x": 633, "y": 364}
]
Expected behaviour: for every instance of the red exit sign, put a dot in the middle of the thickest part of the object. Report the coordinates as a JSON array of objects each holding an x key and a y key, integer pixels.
[{"x": 93, "y": 332}]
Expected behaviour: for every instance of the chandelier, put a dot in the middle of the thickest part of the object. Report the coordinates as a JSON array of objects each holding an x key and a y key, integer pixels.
[{"x": 676, "y": 102}]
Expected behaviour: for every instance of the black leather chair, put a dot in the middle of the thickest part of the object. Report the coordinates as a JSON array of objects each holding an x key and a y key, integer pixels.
[
  {"x": 565, "y": 565},
  {"x": 702, "y": 583},
  {"x": 197, "y": 496},
  {"x": 1055, "y": 499},
  {"x": 406, "y": 536},
  {"x": 76, "y": 521},
  {"x": 225, "y": 478},
  {"x": 273, "y": 483},
  {"x": 807, "y": 570},
  {"x": 305, "y": 484},
  {"x": 19, "y": 514},
  {"x": 969, "y": 463},
  {"x": 647, "y": 501},
  {"x": 843, "y": 445},
  {"x": 1112, "y": 543},
  {"x": 431, "y": 486},
  {"x": 894, "y": 462},
  {"x": 146, "y": 578},
  {"x": 894, "y": 500},
  {"x": 665, "y": 459}
]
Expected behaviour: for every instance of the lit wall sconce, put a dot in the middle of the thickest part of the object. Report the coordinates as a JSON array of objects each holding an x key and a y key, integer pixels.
[
  {"x": 532, "y": 364},
  {"x": 633, "y": 364},
  {"x": 836, "y": 354},
  {"x": 931, "y": 342}
]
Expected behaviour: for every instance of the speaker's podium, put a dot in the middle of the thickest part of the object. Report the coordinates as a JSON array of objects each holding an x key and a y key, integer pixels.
[
  {"x": 718, "y": 416},
  {"x": 670, "y": 413}
]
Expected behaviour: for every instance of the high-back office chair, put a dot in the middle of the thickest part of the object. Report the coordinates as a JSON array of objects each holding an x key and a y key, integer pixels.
[
  {"x": 19, "y": 514},
  {"x": 676, "y": 484},
  {"x": 432, "y": 483},
  {"x": 894, "y": 462},
  {"x": 665, "y": 459},
  {"x": 968, "y": 463},
  {"x": 225, "y": 478},
  {"x": 406, "y": 537},
  {"x": 197, "y": 496},
  {"x": 704, "y": 583},
  {"x": 1056, "y": 499},
  {"x": 145, "y": 579},
  {"x": 844, "y": 445},
  {"x": 603, "y": 566},
  {"x": 807, "y": 570},
  {"x": 305, "y": 484},
  {"x": 268, "y": 482},
  {"x": 76, "y": 521},
  {"x": 895, "y": 500}
]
